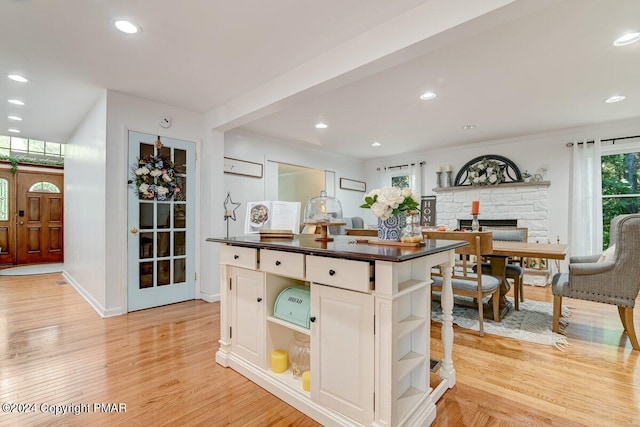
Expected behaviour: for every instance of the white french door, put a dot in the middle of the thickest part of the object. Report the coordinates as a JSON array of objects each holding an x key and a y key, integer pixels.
[{"x": 161, "y": 235}]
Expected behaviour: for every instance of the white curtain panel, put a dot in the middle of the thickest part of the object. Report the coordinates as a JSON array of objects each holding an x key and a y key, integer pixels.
[
  {"x": 586, "y": 202},
  {"x": 413, "y": 170}
]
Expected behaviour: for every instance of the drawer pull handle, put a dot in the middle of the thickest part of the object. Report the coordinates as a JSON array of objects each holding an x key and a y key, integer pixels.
[
  {"x": 278, "y": 263},
  {"x": 332, "y": 272},
  {"x": 236, "y": 256},
  {"x": 312, "y": 319},
  {"x": 259, "y": 299}
]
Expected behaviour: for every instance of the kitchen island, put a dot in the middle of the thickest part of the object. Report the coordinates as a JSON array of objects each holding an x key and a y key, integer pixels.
[{"x": 369, "y": 324}]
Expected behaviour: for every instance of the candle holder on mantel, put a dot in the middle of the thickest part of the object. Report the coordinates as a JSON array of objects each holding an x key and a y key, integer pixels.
[
  {"x": 475, "y": 224},
  {"x": 439, "y": 179},
  {"x": 449, "y": 178}
]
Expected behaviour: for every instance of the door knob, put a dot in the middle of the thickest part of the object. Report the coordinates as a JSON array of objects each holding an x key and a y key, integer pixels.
[
  {"x": 21, "y": 223},
  {"x": 134, "y": 230}
]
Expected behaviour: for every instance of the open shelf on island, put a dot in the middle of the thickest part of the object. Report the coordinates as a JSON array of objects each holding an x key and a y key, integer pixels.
[
  {"x": 289, "y": 325},
  {"x": 409, "y": 286},
  {"x": 408, "y": 325},
  {"x": 295, "y": 383},
  {"x": 408, "y": 362},
  {"x": 408, "y": 399}
]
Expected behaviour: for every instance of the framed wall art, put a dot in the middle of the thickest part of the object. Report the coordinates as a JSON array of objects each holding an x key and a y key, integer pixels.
[
  {"x": 242, "y": 167},
  {"x": 352, "y": 184}
]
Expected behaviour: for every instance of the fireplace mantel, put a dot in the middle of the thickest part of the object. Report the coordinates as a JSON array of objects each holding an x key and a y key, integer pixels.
[{"x": 485, "y": 187}]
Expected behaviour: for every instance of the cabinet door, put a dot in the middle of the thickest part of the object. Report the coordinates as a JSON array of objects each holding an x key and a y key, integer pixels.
[
  {"x": 248, "y": 318},
  {"x": 342, "y": 346}
]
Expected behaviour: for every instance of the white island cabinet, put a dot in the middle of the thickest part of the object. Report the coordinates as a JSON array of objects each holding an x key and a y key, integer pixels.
[{"x": 369, "y": 325}]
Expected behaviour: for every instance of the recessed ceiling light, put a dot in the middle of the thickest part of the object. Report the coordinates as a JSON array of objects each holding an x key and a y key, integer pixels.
[
  {"x": 467, "y": 127},
  {"x": 616, "y": 98},
  {"x": 14, "y": 130},
  {"x": 127, "y": 27},
  {"x": 376, "y": 144},
  {"x": 627, "y": 39},
  {"x": 15, "y": 102},
  {"x": 16, "y": 118},
  {"x": 17, "y": 78},
  {"x": 427, "y": 95},
  {"x": 321, "y": 125}
]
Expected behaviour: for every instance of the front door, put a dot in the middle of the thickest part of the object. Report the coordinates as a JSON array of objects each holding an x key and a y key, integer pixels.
[
  {"x": 39, "y": 217},
  {"x": 161, "y": 216}
]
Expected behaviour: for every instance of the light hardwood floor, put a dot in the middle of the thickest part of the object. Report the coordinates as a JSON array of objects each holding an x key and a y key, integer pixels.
[{"x": 56, "y": 350}]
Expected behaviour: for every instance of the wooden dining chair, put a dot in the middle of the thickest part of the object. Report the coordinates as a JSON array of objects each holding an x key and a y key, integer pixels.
[
  {"x": 515, "y": 267},
  {"x": 464, "y": 282}
]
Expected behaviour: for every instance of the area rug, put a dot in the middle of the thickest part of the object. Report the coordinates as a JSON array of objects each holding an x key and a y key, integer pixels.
[
  {"x": 532, "y": 323},
  {"x": 32, "y": 269}
]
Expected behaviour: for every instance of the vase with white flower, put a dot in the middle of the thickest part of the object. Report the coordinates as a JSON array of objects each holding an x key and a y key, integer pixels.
[{"x": 391, "y": 205}]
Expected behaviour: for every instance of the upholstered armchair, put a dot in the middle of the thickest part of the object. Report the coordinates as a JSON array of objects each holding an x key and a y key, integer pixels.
[{"x": 614, "y": 280}]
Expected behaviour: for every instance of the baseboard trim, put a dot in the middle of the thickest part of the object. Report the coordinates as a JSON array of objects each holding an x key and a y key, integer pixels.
[{"x": 102, "y": 312}]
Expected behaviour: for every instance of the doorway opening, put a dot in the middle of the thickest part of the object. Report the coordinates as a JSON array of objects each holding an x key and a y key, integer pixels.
[{"x": 31, "y": 216}]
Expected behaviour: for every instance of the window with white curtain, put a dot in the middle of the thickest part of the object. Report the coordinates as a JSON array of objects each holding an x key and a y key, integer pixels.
[{"x": 620, "y": 182}]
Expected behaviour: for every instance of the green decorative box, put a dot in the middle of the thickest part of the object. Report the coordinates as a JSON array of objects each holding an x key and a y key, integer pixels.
[{"x": 294, "y": 305}]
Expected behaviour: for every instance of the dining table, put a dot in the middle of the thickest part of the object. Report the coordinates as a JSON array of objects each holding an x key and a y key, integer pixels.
[
  {"x": 529, "y": 250},
  {"x": 503, "y": 250}
]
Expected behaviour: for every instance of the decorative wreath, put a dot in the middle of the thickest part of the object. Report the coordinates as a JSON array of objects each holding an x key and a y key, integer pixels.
[
  {"x": 155, "y": 178},
  {"x": 486, "y": 172}
]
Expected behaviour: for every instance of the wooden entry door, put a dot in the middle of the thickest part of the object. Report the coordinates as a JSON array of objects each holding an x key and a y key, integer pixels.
[{"x": 39, "y": 217}]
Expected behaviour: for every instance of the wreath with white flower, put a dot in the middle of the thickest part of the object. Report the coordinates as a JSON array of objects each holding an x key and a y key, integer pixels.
[
  {"x": 155, "y": 178},
  {"x": 486, "y": 172}
]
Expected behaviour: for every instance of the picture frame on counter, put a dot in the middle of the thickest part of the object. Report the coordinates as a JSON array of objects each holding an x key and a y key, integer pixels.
[
  {"x": 352, "y": 184},
  {"x": 242, "y": 167}
]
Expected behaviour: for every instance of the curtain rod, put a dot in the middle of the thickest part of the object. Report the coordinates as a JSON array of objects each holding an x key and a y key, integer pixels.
[
  {"x": 612, "y": 140},
  {"x": 402, "y": 166}
]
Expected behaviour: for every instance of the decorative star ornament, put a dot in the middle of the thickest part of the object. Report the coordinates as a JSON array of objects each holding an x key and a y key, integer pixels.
[
  {"x": 230, "y": 207},
  {"x": 158, "y": 144}
]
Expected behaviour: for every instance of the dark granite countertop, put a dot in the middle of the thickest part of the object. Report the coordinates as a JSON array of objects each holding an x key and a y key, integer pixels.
[{"x": 342, "y": 247}]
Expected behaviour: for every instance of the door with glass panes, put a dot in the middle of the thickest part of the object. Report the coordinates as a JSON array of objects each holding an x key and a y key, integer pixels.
[{"x": 161, "y": 217}]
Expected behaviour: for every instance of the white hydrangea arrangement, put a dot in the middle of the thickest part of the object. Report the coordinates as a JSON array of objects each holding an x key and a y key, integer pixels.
[{"x": 389, "y": 201}]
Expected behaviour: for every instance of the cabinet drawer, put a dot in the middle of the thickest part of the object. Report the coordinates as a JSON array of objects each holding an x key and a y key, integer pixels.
[
  {"x": 340, "y": 273},
  {"x": 239, "y": 256},
  {"x": 282, "y": 263}
]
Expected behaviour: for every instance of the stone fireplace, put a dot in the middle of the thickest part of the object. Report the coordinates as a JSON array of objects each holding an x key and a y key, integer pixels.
[
  {"x": 466, "y": 223},
  {"x": 522, "y": 203},
  {"x": 514, "y": 204}
]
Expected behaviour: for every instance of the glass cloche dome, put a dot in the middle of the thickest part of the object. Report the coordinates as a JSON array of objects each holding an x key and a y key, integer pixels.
[{"x": 323, "y": 209}]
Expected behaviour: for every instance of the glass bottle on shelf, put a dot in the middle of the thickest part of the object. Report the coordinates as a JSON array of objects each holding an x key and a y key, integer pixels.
[{"x": 299, "y": 354}]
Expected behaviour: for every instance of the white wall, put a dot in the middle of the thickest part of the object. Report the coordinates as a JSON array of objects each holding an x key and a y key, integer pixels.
[
  {"x": 261, "y": 149},
  {"x": 85, "y": 178},
  {"x": 527, "y": 152},
  {"x": 96, "y": 174}
]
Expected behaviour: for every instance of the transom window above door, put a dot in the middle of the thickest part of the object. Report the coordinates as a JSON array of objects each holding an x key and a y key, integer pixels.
[{"x": 44, "y": 187}]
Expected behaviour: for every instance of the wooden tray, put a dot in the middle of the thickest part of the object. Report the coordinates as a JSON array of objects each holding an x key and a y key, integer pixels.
[{"x": 390, "y": 243}]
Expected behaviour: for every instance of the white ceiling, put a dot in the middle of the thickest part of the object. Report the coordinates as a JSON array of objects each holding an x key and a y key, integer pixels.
[{"x": 532, "y": 66}]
